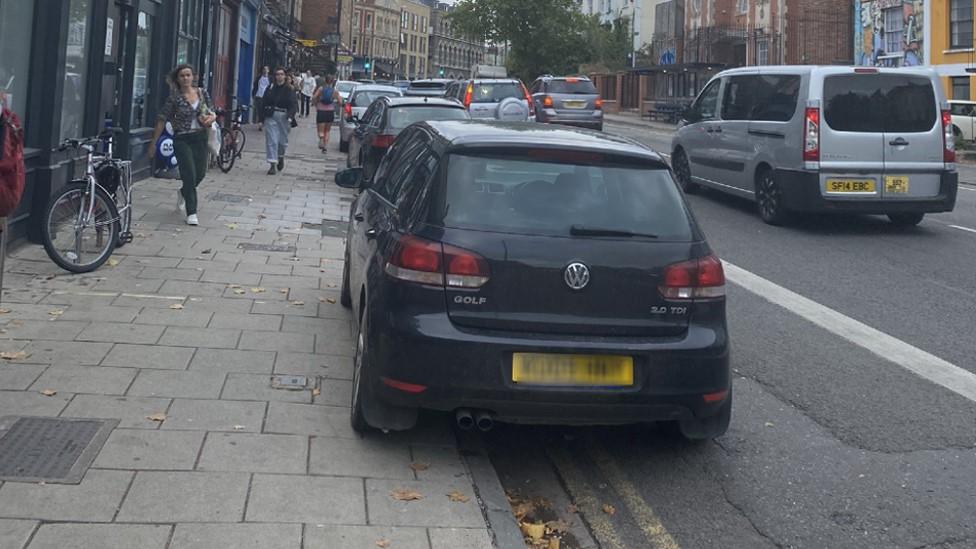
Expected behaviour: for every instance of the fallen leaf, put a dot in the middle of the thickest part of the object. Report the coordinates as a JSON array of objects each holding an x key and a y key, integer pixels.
[
  {"x": 457, "y": 497},
  {"x": 316, "y": 392},
  {"x": 533, "y": 530},
  {"x": 262, "y": 216},
  {"x": 283, "y": 290},
  {"x": 231, "y": 226},
  {"x": 207, "y": 251},
  {"x": 49, "y": 392},
  {"x": 330, "y": 300},
  {"x": 769, "y": 424},
  {"x": 159, "y": 416},
  {"x": 553, "y": 543},
  {"x": 234, "y": 286},
  {"x": 56, "y": 312},
  {"x": 4, "y": 311},
  {"x": 383, "y": 543},
  {"x": 239, "y": 291},
  {"x": 238, "y": 427},
  {"x": 297, "y": 303},
  {"x": 558, "y": 526},
  {"x": 419, "y": 466},
  {"x": 523, "y": 509},
  {"x": 294, "y": 259},
  {"x": 176, "y": 306},
  {"x": 609, "y": 509},
  {"x": 403, "y": 494},
  {"x": 112, "y": 262},
  {"x": 14, "y": 355},
  {"x": 140, "y": 235},
  {"x": 258, "y": 290}
]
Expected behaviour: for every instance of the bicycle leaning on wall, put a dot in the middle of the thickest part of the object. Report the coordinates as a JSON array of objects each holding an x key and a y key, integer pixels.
[{"x": 232, "y": 137}]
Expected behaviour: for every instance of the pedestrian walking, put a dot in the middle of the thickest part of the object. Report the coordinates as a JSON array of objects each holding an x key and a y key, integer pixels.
[
  {"x": 326, "y": 99},
  {"x": 308, "y": 89},
  {"x": 189, "y": 110},
  {"x": 280, "y": 107},
  {"x": 261, "y": 84}
]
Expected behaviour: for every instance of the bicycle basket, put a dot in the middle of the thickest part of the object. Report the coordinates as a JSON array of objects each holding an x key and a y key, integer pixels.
[{"x": 109, "y": 176}]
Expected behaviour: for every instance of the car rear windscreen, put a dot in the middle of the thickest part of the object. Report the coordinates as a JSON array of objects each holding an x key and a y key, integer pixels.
[
  {"x": 581, "y": 87},
  {"x": 875, "y": 103},
  {"x": 496, "y": 91},
  {"x": 401, "y": 117},
  {"x": 428, "y": 85},
  {"x": 364, "y": 98},
  {"x": 525, "y": 193}
]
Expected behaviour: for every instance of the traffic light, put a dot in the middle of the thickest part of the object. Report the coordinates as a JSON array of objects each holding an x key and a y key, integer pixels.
[
  {"x": 366, "y": 65},
  {"x": 441, "y": 72}
]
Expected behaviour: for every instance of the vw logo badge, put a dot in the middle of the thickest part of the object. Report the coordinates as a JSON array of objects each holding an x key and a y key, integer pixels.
[{"x": 577, "y": 275}]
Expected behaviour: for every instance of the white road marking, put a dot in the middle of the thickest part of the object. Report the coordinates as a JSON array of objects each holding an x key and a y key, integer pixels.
[
  {"x": 963, "y": 228},
  {"x": 911, "y": 358}
]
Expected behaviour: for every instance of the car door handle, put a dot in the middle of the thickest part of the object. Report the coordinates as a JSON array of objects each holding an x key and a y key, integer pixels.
[
  {"x": 359, "y": 217},
  {"x": 900, "y": 142},
  {"x": 371, "y": 233}
]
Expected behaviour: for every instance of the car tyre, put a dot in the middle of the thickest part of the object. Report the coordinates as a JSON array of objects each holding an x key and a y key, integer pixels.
[
  {"x": 710, "y": 427},
  {"x": 357, "y": 418},
  {"x": 769, "y": 199},
  {"x": 345, "y": 295},
  {"x": 682, "y": 170},
  {"x": 906, "y": 219},
  {"x": 365, "y": 412}
]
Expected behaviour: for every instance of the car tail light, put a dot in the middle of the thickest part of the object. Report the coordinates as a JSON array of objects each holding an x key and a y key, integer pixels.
[
  {"x": 425, "y": 262},
  {"x": 383, "y": 140},
  {"x": 948, "y": 140},
  {"x": 702, "y": 278},
  {"x": 811, "y": 135},
  {"x": 347, "y": 108},
  {"x": 468, "y": 93},
  {"x": 598, "y": 104},
  {"x": 547, "y": 102},
  {"x": 528, "y": 99}
]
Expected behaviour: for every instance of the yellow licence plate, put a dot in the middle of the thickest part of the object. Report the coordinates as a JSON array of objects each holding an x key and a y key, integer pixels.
[
  {"x": 574, "y": 104},
  {"x": 573, "y": 370},
  {"x": 896, "y": 184},
  {"x": 850, "y": 185}
]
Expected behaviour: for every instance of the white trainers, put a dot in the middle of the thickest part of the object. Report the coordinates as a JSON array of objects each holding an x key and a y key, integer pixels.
[{"x": 192, "y": 219}]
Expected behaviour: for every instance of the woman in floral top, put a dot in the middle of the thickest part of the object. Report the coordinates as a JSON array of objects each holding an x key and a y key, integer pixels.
[{"x": 189, "y": 110}]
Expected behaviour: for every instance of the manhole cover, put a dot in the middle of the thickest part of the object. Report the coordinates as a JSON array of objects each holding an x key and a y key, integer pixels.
[
  {"x": 294, "y": 383},
  {"x": 55, "y": 450},
  {"x": 331, "y": 227},
  {"x": 227, "y": 197},
  {"x": 250, "y": 246}
]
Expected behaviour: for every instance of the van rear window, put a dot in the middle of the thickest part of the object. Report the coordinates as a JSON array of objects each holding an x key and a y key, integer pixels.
[
  {"x": 874, "y": 103},
  {"x": 546, "y": 194}
]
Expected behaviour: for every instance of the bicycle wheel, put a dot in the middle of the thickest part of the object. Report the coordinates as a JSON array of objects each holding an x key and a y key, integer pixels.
[
  {"x": 73, "y": 239},
  {"x": 123, "y": 206},
  {"x": 227, "y": 151},
  {"x": 239, "y": 138}
]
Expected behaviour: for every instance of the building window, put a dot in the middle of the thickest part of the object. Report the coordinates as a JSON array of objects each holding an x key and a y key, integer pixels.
[
  {"x": 893, "y": 29},
  {"x": 75, "y": 69},
  {"x": 961, "y": 24},
  {"x": 369, "y": 21},
  {"x": 960, "y": 87},
  {"x": 141, "y": 80},
  {"x": 742, "y": 6},
  {"x": 762, "y": 51},
  {"x": 188, "y": 44},
  {"x": 16, "y": 17}
]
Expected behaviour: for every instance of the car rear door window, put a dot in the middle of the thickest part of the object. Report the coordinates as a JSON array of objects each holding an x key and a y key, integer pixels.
[
  {"x": 400, "y": 166},
  {"x": 493, "y": 92},
  {"x": 876, "y": 103},
  {"x": 526, "y": 193},
  {"x": 572, "y": 86}
]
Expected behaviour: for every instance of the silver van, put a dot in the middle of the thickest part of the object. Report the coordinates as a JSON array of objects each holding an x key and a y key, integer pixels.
[{"x": 815, "y": 139}]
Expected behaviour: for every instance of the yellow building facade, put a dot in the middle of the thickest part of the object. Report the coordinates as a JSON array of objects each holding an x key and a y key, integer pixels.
[{"x": 951, "y": 47}]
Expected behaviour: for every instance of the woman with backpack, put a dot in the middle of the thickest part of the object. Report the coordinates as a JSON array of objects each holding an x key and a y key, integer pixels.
[{"x": 326, "y": 100}]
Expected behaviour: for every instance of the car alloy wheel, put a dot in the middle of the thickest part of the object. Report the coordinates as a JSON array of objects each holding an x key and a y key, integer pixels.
[
  {"x": 769, "y": 198},
  {"x": 683, "y": 172},
  {"x": 356, "y": 417},
  {"x": 345, "y": 295}
]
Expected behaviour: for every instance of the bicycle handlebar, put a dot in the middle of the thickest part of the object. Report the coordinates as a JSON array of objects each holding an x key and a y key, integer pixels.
[{"x": 106, "y": 134}]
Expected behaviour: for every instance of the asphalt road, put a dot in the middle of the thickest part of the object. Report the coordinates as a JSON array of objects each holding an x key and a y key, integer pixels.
[{"x": 834, "y": 442}]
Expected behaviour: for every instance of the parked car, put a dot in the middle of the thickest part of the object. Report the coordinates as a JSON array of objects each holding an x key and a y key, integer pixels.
[
  {"x": 402, "y": 84},
  {"x": 432, "y": 87},
  {"x": 963, "y": 119},
  {"x": 344, "y": 87},
  {"x": 361, "y": 98},
  {"x": 386, "y": 117},
  {"x": 496, "y": 98},
  {"x": 543, "y": 276},
  {"x": 815, "y": 139},
  {"x": 570, "y": 100}
]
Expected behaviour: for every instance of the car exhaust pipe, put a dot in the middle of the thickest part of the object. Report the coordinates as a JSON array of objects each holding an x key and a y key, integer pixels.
[
  {"x": 485, "y": 421},
  {"x": 464, "y": 419}
]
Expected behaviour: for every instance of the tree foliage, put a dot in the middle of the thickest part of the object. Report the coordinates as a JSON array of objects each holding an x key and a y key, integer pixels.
[{"x": 544, "y": 36}]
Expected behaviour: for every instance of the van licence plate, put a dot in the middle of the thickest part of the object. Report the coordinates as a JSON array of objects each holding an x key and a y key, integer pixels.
[
  {"x": 850, "y": 185},
  {"x": 572, "y": 370},
  {"x": 896, "y": 184}
]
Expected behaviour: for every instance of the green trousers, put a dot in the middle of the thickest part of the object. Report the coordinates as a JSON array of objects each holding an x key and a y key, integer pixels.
[{"x": 192, "y": 154}]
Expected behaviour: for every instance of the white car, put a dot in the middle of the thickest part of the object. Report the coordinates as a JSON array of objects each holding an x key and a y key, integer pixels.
[
  {"x": 344, "y": 87},
  {"x": 354, "y": 107},
  {"x": 963, "y": 119}
]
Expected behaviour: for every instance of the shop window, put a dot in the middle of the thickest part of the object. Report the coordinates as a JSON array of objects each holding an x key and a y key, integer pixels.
[
  {"x": 141, "y": 80},
  {"x": 75, "y": 69},
  {"x": 16, "y": 17}
]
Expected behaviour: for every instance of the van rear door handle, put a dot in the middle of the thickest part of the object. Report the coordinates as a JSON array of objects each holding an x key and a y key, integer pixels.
[{"x": 899, "y": 142}]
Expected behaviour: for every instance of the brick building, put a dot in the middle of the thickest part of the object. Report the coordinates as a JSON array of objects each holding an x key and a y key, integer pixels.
[
  {"x": 414, "y": 39},
  {"x": 451, "y": 55}
]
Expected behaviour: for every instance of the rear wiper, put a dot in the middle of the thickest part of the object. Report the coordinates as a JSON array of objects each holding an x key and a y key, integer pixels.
[{"x": 580, "y": 230}]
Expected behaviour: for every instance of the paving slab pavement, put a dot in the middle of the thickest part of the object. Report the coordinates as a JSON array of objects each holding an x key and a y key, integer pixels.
[{"x": 178, "y": 338}]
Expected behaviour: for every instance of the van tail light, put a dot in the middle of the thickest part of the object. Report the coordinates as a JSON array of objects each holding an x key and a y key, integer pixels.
[
  {"x": 383, "y": 140},
  {"x": 811, "y": 135},
  {"x": 467, "y": 95},
  {"x": 598, "y": 105},
  {"x": 347, "y": 108},
  {"x": 528, "y": 99},
  {"x": 435, "y": 264},
  {"x": 547, "y": 102},
  {"x": 948, "y": 140},
  {"x": 702, "y": 278}
]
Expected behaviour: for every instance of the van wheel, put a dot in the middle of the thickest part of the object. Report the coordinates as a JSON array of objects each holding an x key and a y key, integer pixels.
[
  {"x": 769, "y": 199},
  {"x": 906, "y": 219},
  {"x": 709, "y": 427},
  {"x": 682, "y": 170}
]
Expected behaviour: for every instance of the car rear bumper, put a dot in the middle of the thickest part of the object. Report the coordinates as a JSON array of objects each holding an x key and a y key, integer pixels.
[
  {"x": 471, "y": 368},
  {"x": 801, "y": 193},
  {"x": 590, "y": 119}
]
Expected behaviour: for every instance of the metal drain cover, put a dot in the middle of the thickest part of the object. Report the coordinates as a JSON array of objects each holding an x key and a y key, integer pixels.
[
  {"x": 293, "y": 383},
  {"x": 53, "y": 450},
  {"x": 250, "y": 246},
  {"x": 228, "y": 197}
]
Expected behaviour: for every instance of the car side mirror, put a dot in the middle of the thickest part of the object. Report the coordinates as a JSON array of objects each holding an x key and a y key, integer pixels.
[{"x": 350, "y": 178}]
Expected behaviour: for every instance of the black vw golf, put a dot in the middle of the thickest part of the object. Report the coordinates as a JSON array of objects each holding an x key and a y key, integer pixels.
[{"x": 528, "y": 273}]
